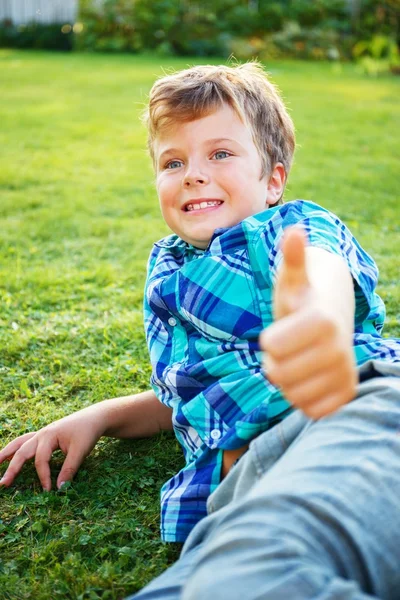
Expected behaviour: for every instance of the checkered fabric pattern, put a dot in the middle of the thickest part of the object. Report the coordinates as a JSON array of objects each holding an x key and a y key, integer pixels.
[{"x": 204, "y": 311}]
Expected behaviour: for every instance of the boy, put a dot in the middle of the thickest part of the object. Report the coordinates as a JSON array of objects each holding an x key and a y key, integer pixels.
[{"x": 279, "y": 524}]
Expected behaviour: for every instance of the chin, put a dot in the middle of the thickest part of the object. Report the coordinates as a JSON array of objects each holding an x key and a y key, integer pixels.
[
  {"x": 202, "y": 244},
  {"x": 201, "y": 240}
]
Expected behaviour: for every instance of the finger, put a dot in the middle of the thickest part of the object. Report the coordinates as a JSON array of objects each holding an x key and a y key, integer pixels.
[
  {"x": 294, "y": 256},
  {"x": 318, "y": 388},
  {"x": 72, "y": 462},
  {"x": 292, "y": 281},
  {"x": 280, "y": 341},
  {"x": 8, "y": 451},
  {"x": 301, "y": 366},
  {"x": 328, "y": 405},
  {"x": 42, "y": 463},
  {"x": 24, "y": 453}
]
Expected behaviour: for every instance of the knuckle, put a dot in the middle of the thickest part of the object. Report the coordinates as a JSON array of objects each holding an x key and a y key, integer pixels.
[
  {"x": 20, "y": 453},
  {"x": 328, "y": 326},
  {"x": 325, "y": 322},
  {"x": 69, "y": 472},
  {"x": 342, "y": 355},
  {"x": 346, "y": 388},
  {"x": 10, "y": 474},
  {"x": 323, "y": 408},
  {"x": 312, "y": 412},
  {"x": 263, "y": 339},
  {"x": 46, "y": 430},
  {"x": 272, "y": 373},
  {"x": 294, "y": 396},
  {"x": 339, "y": 362},
  {"x": 39, "y": 462}
]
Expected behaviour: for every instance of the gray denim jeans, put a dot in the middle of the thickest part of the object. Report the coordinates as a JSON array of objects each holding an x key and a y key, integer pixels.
[{"x": 311, "y": 511}]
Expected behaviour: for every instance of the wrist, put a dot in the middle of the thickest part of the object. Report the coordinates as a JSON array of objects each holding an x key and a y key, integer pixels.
[
  {"x": 136, "y": 416},
  {"x": 97, "y": 415}
]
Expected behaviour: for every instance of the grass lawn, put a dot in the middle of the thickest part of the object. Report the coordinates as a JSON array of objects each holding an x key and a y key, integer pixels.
[{"x": 78, "y": 215}]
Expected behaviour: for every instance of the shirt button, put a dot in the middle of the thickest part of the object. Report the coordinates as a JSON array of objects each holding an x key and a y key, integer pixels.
[
  {"x": 172, "y": 321},
  {"x": 215, "y": 434}
]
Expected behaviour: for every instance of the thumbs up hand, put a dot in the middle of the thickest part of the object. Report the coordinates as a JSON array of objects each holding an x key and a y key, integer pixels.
[{"x": 308, "y": 348}]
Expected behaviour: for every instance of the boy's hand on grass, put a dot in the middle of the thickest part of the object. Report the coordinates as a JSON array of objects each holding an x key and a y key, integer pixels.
[
  {"x": 75, "y": 435},
  {"x": 309, "y": 352}
]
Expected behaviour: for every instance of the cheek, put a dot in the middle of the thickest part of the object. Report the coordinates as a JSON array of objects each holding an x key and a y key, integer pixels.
[
  {"x": 241, "y": 184},
  {"x": 232, "y": 179},
  {"x": 165, "y": 192},
  {"x": 239, "y": 175}
]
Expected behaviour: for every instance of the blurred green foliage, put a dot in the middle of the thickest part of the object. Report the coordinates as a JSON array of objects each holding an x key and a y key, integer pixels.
[
  {"x": 310, "y": 29},
  {"x": 295, "y": 28},
  {"x": 377, "y": 55},
  {"x": 37, "y": 36}
]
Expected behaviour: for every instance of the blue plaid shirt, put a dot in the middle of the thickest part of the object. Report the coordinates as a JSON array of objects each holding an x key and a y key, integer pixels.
[{"x": 204, "y": 311}]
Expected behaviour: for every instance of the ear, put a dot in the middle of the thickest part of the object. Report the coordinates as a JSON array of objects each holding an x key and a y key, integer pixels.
[{"x": 276, "y": 184}]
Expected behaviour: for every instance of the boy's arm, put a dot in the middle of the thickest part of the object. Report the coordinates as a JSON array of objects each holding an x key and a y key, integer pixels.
[
  {"x": 309, "y": 352},
  {"x": 136, "y": 416}
]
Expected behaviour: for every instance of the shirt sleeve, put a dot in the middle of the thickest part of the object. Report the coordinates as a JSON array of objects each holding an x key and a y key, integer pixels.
[
  {"x": 324, "y": 230},
  {"x": 155, "y": 332}
]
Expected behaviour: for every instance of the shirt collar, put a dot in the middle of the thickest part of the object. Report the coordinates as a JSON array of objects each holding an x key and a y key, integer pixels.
[
  {"x": 217, "y": 233},
  {"x": 178, "y": 246}
]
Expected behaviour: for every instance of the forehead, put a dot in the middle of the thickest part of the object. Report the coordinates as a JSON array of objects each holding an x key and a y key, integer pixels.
[{"x": 221, "y": 124}]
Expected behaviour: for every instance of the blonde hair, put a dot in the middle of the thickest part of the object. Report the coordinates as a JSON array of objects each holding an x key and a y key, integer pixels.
[{"x": 198, "y": 91}]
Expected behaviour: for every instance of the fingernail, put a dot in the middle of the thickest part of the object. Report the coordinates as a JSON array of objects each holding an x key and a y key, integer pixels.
[
  {"x": 2, "y": 480},
  {"x": 61, "y": 484}
]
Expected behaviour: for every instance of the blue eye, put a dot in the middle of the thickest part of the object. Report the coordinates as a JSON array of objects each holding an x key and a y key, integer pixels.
[
  {"x": 220, "y": 154},
  {"x": 174, "y": 164}
]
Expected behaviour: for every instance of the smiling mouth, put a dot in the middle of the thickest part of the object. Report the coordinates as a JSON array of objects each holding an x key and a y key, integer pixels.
[{"x": 191, "y": 207}]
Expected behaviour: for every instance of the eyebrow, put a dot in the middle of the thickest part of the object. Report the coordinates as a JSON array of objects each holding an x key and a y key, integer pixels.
[
  {"x": 208, "y": 143},
  {"x": 167, "y": 152}
]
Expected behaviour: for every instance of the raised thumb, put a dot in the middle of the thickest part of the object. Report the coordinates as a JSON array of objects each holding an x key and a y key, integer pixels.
[{"x": 292, "y": 281}]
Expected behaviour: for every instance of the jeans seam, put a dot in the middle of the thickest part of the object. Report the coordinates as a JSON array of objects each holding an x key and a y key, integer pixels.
[
  {"x": 282, "y": 437},
  {"x": 272, "y": 453}
]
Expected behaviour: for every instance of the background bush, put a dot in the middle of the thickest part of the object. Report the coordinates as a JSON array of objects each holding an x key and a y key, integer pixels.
[
  {"x": 298, "y": 28},
  {"x": 316, "y": 29},
  {"x": 37, "y": 36}
]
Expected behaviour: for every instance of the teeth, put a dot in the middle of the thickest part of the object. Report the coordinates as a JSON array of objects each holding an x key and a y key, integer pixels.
[{"x": 198, "y": 206}]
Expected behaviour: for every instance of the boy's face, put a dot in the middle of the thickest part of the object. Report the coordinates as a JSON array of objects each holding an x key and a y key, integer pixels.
[{"x": 208, "y": 176}]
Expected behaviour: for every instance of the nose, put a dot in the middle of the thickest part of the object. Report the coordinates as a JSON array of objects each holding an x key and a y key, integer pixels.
[{"x": 195, "y": 176}]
